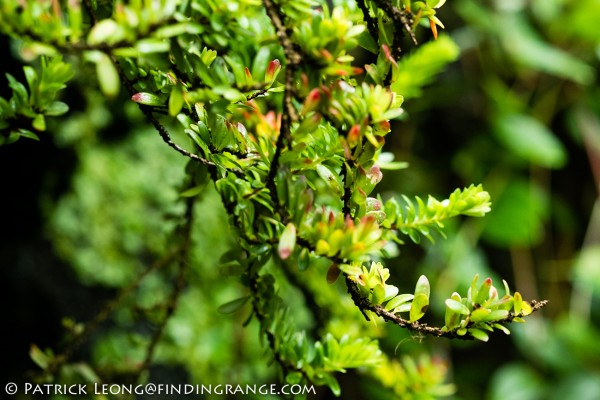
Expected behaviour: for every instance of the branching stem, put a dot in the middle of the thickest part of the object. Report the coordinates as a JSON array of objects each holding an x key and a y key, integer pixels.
[{"x": 364, "y": 305}]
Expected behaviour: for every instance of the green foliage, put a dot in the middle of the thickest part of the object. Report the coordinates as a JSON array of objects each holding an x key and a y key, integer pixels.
[
  {"x": 421, "y": 219},
  {"x": 275, "y": 112},
  {"x": 482, "y": 309},
  {"x": 522, "y": 119},
  {"x": 408, "y": 380},
  {"x": 425, "y": 63},
  {"x": 27, "y": 109}
]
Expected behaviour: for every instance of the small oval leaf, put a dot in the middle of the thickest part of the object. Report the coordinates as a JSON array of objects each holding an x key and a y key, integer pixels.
[
  {"x": 457, "y": 307},
  {"x": 479, "y": 334},
  {"x": 233, "y": 305},
  {"x": 418, "y": 307},
  {"x": 287, "y": 241}
]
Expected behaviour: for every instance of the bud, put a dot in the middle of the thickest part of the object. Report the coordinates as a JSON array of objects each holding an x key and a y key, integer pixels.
[
  {"x": 148, "y": 99},
  {"x": 248, "y": 76},
  {"x": 312, "y": 101},
  {"x": 308, "y": 124},
  {"x": 373, "y": 204},
  {"x": 382, "y": 127},
  {"x": 287, "y": 242},
  {"x": 388, "y": 54},
  {"x": 354, "y": 135},
  {"x": 374, "y": 175},
  {"x": 272, "y": 71},
  {"x": 484, "y": 291}
]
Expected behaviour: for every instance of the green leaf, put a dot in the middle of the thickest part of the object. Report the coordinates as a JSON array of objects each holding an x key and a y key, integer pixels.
[
  {"x": 304, "y": 260},
  {"x": 530, "y": 140},
  {"x": 524, "y": 379},
  {"x": 179, "y": 29},
  {"x": 526, "y": 47},
  {"x": 398, "y": 301},
  {"x": 40, "y": 358},
  {"x": 56, "y": 108},
  {"x": 39, "y": 122},
  {"x": 418, "y": 307},
  {"x": 229, "y": 93},
  {"x": 457, "y": 307},
  {"x": 28, "y": 134},
  {"x": 234, "y": 305},
  {"x": 421, "y": 67},
  {"x": 194, "y": 191},
  {"x": 106, "y": 31},
  {"x": 148, "y": 99},
  {"x": 422, "y": 286},
  {"x": 479, "y": 314},
  {"x": 176, "y": 100},
  {"x": 152, "y": 45},
  {"x": 333, "y": 384},
  {"x": 479, "y": 334},
  {"x": 502, "y": 328},
  {"x": 518, "y": 302},
  {"x": 287, "y": 241},
  {"x": 366, "y": 41},
  {"x": 330, "y": 177},
  {"x": 519, "y": 214},
  {"x": 585, "y": 270},
  {"x": 108, "y": 77},
  {"x": 19, "y": 90},
  {"x": 378, "y": 294},
  {"x": 496, "y": 315}
]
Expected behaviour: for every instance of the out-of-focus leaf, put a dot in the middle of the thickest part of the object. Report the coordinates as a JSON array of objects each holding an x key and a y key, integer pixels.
[
  {"x": 56, "y": 108},
  {"x": 587, "y": 268},
  {"x": 39, "y": 357},
  {"x": 518, "y": 215},
  {"x": 233, "y": 305},
  {"x": 106, "y": 31},
  {"x": 287, "y": 242},
  {"x": 529, "y": 139},
  {"x": 108, "y": 77},
  {"x": 457, "y": 306},
  {"x": 522, "y": 382},
  {"x": 525, "y": 46},
  {"x": 418, "y": 307},
  {"x": 421, "y": 67}
]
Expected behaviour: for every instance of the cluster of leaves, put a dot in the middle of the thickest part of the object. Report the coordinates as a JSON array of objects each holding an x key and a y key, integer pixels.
[
  {"x": 481, "y": 310},
  {"x": 290, "y": 132},
  {"x": 301, "y": 359},
  {"x": 26, "y": 111}
]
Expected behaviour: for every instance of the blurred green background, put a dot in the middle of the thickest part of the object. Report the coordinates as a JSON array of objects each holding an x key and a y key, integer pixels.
[{"x": 84, "y": 210}]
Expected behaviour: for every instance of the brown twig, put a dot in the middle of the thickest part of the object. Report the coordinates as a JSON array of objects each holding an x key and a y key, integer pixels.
[
  {"x": 364, "y": 305},
  {"x": 371, "y": 22},
  {"x": 91, "y": 326},
  {"x": 290, "y": 114}
]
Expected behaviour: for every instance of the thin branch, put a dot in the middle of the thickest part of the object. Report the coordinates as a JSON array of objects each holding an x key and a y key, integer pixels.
[
  {"x": 290, "y": 114},
  {"x": 402, "y": 22},
  {"x": 364, "y": 305},
  {"x": 371, "y": 22},
  {"x": 91, "y": 326},
  {"x": 347, "y": 191},
  {"x": 166, "y": 137}
]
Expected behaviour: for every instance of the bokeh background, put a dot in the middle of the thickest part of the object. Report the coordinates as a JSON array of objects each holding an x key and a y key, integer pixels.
[{"x": 87, "y": 207}]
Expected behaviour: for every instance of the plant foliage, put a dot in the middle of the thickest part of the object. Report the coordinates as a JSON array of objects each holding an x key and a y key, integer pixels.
[{"x": 289, "y": 128}]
